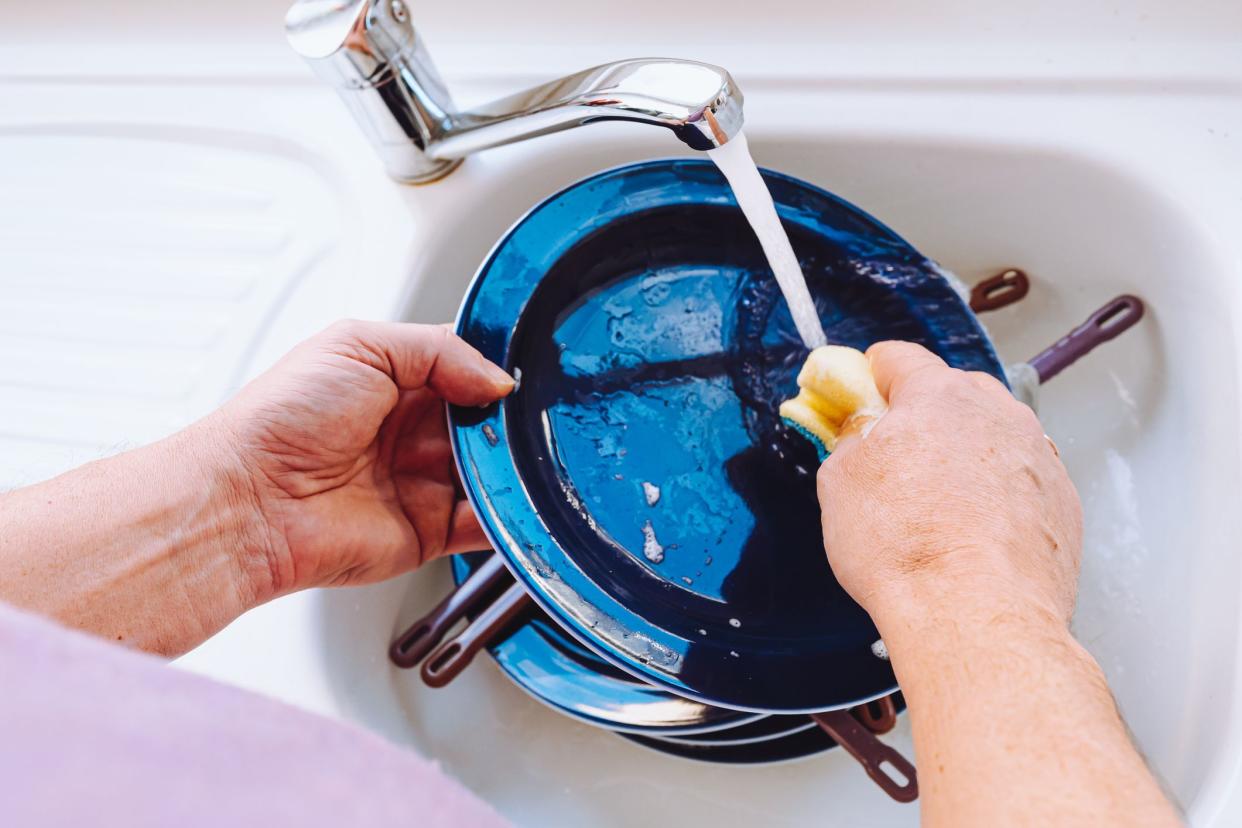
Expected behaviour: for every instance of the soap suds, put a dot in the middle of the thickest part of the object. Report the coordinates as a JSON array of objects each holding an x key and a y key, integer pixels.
[
  {"x": 652, "y": 492},
  {"x": 652, "y": 549}
]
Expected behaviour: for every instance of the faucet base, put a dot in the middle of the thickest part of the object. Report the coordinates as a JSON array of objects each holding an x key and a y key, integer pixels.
[{"x": 432, "y": 175}]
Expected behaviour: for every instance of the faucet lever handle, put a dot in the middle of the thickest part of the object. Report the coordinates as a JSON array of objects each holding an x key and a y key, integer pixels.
[{"x": 370, "y": 52}]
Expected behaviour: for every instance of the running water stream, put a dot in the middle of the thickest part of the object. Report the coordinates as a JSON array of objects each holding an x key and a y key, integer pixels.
[{"x": 734, "y": 161}]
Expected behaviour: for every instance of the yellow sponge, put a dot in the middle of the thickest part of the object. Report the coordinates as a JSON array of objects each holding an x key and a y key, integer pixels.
[{"x": 837, "y": 391}]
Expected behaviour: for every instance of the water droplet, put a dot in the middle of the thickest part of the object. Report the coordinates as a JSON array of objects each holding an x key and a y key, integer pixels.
[
  {"x": 688, "y": 581},
  {"x": 702, "y": 632},
  {"x": 879, "y": 649},
  {"x": 489, "y": 434},
  {"x": 733, "y": 622},
  {"x": 655, "y": 290}
]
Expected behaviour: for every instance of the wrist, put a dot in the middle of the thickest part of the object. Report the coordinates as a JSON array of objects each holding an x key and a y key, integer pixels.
[
  {"x": 944, "y": 613},
  {"x": 1002, "y": 698},
  {"x": 233, "y": 517}
]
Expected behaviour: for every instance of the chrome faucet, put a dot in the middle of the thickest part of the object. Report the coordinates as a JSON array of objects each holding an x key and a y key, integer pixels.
[{"x": 369, "y": 50}]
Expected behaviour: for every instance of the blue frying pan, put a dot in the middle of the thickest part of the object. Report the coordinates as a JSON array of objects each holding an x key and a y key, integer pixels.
[
  {"x": 554, "y": 668},
  {"x": 639, "y": 481}
]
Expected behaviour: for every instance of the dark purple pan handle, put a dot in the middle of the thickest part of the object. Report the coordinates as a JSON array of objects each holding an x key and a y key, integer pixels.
[
  {"x": 879, "y": 716},
  {"x": 1001, "y": 290},
  {"x": 448, "y": 660},
  {"x": 423, "y": 635},
  {"x": 1110, "y": 321},
  {"x": 871, "y": 753}
]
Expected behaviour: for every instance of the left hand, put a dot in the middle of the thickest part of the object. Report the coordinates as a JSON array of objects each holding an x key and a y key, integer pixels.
[{"x": 342, "y": 449}]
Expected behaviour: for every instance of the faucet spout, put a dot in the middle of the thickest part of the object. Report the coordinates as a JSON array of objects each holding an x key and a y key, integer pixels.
[
  {"x": 370, "y": 51},
  {"x": 699, "y": 102}
]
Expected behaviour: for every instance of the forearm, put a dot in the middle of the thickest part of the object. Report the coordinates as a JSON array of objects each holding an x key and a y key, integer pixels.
[
  {"x": 1013, "y": 722},
  {"x": 157, "y": 548}
]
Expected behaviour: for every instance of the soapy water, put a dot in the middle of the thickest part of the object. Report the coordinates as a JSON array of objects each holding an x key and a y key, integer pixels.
[
  {"x": 739, "y": 169},
  {"x": 1118, "y": 553}
]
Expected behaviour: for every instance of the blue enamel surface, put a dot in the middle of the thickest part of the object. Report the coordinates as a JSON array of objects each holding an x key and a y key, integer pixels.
[
  {"x": 555, "y": 669},
  {"x": 654, "y": 348},
  {"x": 546, "y": 662}
]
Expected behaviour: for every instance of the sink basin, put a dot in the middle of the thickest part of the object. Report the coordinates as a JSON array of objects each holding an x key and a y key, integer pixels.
[{"x": 1087, "y": 219}]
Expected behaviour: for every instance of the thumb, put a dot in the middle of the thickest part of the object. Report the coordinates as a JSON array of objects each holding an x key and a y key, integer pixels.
[
  {"x": 423, "y": 356},
  {"x": 894, "y": 364}
]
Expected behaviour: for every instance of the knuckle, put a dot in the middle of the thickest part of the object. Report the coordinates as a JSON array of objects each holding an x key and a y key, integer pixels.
[
  {"x": 895, "y": 347},
  {"x": 884, "y": 348},
  {"x": 438, "y": 337},
  {"x": 345, "y": 329},
  {"x": 986, "y": 382},
  {"x": 444, "y": 335},
  {"x": 938, "y": 380},
  {"x": 827, "y": 473},
  {"x": 828, "y": 477}
]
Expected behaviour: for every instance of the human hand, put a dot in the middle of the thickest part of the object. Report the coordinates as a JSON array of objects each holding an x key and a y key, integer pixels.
[
  {"x": 954, "y": 524},
  {"x": 954, "y": 498},
  {"x": 344, "y": 455}
]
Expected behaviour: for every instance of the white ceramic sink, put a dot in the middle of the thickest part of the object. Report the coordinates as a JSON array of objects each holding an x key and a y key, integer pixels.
[
  {"x": 1099, "y": 166},
  {"x": 1088, "y": 215}
]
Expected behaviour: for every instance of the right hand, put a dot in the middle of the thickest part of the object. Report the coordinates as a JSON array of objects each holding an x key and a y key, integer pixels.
[{"x": 955, "y": 499}]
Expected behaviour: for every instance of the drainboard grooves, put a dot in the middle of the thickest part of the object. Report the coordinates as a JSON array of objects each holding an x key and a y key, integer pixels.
[{"x": 137, "y": 274}]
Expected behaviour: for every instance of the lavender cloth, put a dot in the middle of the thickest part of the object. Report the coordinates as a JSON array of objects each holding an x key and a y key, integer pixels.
[{"x": 92, "y": 734}]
